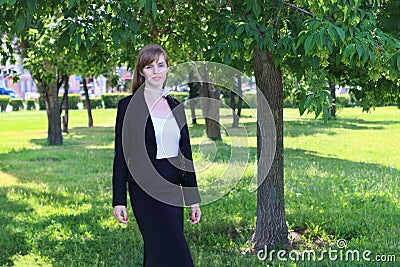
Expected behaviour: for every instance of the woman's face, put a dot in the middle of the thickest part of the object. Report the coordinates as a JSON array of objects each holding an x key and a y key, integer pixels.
[{"x": 155, "y": 73}]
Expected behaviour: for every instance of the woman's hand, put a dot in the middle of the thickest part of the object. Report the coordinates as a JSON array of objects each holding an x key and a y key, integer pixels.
[
  {"x": 118, "y": 211},
  {"x": 195, "y": 214}
]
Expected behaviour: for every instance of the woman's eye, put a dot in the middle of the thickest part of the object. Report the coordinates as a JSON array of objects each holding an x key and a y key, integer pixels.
[
  {"x": 148, "y": 67},
  {"x": 161, "y": 65}
]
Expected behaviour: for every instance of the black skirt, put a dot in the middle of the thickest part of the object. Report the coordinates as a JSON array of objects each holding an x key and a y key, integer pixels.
[{"x": 160, "y": 224}]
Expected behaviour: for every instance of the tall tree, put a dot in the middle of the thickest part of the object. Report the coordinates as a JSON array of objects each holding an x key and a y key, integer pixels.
[
  {"x": 52, "y": 35},
  {"x": 302, "y": 36},
  {"x": 262, "y": 37}
]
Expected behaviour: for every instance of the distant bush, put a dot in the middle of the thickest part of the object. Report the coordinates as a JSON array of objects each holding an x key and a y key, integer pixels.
[
  {"x": 111, "y": 100},
  {"x": 73, "y": 101},
  {"x": 17, "y": 104},
  {"x": 180, "y": 96},
  {"x": 42, "y": 105},
  {"x": 249, "y": 100},
  {"x": 343, "y": 100},
  {"x": 4, "y": 100},
  {"x": 353, "y": 100},
  {"x": 95, "y": 102},
  {"x": 30, "y": 104}
]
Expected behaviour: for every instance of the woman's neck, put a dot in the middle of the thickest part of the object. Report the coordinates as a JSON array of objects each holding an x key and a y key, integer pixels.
[{"x": 153, "y": 91}]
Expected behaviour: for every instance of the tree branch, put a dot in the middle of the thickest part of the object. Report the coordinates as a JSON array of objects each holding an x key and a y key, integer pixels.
[{"x": 300, "y": 9}]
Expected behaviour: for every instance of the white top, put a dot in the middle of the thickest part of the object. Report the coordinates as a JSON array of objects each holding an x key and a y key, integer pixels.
[{"x": 167, "y": 137}]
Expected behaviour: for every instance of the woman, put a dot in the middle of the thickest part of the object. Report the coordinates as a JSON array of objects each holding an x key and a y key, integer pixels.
[{"x": 153, "y": 155}]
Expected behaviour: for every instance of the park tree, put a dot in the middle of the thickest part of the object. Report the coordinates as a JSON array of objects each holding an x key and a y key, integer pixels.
[
  {"x": 309, "y": 38},
  {"x": 32, "y": 27},
  {"x": 303, "y": 36},
  {"x": 52, "y": 35},
  {"x": 367, "y": 74}
]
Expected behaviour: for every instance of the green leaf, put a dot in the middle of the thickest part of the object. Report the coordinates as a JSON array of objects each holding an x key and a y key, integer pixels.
[
  {"x": 256, "y": 9},
  {"x": 308, "y": 101},
  {"x": 372, "y": 57},
  {"x": 331, "y": 32},
  {"x": 346, "y": 12},
  {"x": 321, "y": 37},
  {"x": 240, "y": 30},
  {"x": 349, "y": 51},
  {"x": 326, "y": 96},
  {"x": 352, "y": 52},
  {"x": 248, "y": 31},
  {"x": 249, "y": 5},
  {"x": 351, "y": 32},
  {"x": 277, "y": 61},
  {"x": 228, "y": 28},
  {"x": 329, "y": 45},
  {"x": 359, "y": 51},
  {"x": 315, "y": 62},
  {"x": 71, "y": 4},
  {"x": 398, "y": 62},
  {"x": 20, "y": 23},
  {"x": 318, "y": 40},
  {"x": 365, "y": 56},
  {"x": 147, "y": 7},
  {"x": 341, "y": 33},
  {"x": 302, "y": 108},
  {"x": 300, "y": 41},
  {"x": 309, "y": 44},
  {"x": 154, "y": 9},
  {"x": 227, "y": 59},
  {"x": 31, "y": 5},
  {"x": 318, "y": 110},
  {"x": 33, "y": 31},
  {"x": 257, "y": 37}
]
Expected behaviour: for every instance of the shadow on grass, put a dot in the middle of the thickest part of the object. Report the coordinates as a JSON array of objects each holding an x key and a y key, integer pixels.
[
  {"x": 14, "y": 240},
  {"x": 66, "y": 237},
  {"x": 347, "y": 199},
  {"x": 82, "y": 135},
  {"x": 60, "y": 208},
  {"x": 295, "y": 128}
]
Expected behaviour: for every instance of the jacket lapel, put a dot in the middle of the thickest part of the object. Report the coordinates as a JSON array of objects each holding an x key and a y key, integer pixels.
[{"x": 176, "y": 108}]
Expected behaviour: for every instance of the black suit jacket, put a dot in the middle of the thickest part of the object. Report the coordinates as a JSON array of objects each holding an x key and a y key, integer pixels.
[{"x": 134, "y": 132}]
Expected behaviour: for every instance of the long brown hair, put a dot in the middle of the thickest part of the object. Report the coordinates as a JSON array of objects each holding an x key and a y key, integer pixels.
[{"x": 146, "y": 56}]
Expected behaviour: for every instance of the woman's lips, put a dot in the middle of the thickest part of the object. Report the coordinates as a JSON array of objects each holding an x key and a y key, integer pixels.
[{"x": 156, "y": 78}]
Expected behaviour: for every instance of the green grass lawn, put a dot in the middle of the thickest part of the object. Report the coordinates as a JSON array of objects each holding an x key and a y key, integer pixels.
[{"x": 341, "y": 182}]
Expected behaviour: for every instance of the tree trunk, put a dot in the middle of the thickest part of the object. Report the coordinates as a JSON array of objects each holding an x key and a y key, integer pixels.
[
  {"x": 65, "y": 104},
  {"x": 271, "y": 229},
  {"x": 332, "y": 110},
  {"x": 50, "y": 97},
  {"x": 238, "y": 93},
  {"x": 87, "y": 102},
  {"x": 233, "y": 95},
  {"x": 192, "y": 96},
  {"x": 210, "y": 105}
]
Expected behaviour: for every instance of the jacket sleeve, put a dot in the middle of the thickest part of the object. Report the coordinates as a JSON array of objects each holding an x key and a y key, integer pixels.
[
  {"x": 120, "y": 169},
  {"x": 189, "y": 183}
]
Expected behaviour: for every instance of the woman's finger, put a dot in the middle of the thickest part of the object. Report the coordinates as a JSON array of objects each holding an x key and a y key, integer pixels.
[
  {"x": 118, "y": 211},
  {"x": 195, "y": 215}
]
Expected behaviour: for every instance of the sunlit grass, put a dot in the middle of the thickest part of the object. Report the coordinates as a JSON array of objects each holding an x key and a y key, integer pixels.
[{"x": 341, "y": 182}]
